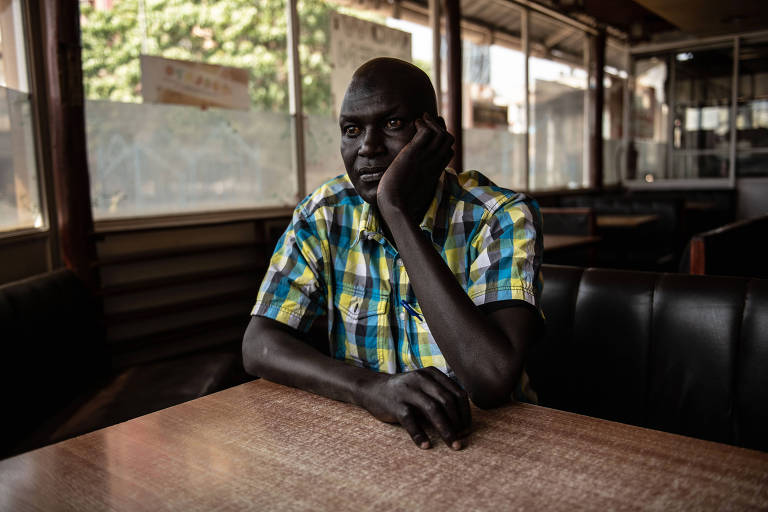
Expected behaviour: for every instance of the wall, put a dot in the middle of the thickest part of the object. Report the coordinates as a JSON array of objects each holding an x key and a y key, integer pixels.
[{"x": 752, "y": 197}]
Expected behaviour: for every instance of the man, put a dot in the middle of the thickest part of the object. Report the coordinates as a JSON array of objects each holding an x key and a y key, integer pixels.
[{"x": 430, "y": 279}]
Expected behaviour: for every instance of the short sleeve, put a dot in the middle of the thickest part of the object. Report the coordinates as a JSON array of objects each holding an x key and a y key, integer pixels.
[
  {"x": 506, "y": 255},
  {"x": 292, "y": 291}
]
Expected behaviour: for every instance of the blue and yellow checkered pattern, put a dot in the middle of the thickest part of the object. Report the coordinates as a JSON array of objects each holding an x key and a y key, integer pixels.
[{"x": 334, "y": 258}]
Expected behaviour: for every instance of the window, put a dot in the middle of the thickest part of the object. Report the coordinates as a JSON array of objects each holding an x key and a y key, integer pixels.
[
  {"x": 650, "y": 110},
  {"x": 686, "y": 127},
  {"x": 494, "y": 112},
  {"x": 20, "y": 205},
  {"x": 187, "y": 102},
  {"x": 187, "y": 106},
  {"x": 615, "y": 84},
  {"x": 557, "y": 85},
  {"x": 701, "y": 116},
  {"x": 752, "y": 115}
]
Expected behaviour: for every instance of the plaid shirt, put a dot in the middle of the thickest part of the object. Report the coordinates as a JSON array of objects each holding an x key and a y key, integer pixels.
[{"x": 334, "y": 258}]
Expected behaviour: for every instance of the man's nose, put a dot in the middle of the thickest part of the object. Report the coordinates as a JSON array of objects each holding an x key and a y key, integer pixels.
[{"x": 372, "y": 143}]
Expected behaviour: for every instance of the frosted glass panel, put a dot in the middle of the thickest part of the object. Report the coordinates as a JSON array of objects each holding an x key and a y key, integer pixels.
[
  {"x": 19, "y": 191},
  {"x": 157, "y": 159},
  {"x": 322, "y": 140},
  {"x": 499, "y": 154},
  {"x": 556, "y": 123}
]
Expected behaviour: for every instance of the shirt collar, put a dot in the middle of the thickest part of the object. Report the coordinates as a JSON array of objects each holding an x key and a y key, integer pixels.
[{"x": 369, "y": 225}]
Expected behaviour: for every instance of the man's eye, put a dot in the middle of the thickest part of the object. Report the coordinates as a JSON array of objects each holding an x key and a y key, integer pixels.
[
  {"x": 394, "y": 124},
  {"x": 351, "y": 131}
]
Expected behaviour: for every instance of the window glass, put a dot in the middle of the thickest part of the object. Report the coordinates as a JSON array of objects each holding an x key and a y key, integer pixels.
[
  {"x": 557, "y": 85},
  {"x": 649, "y": 118},
  {"x": 494, "y": 111},
  {"x": 187, "y": 106},
  {"x": 752, "y": 116},
  {"x": 693, "y": 86},
  {"x": 20, "y": 205},
  {"x": 615, "y": 82},
  {"x": 702, "y": 100}
]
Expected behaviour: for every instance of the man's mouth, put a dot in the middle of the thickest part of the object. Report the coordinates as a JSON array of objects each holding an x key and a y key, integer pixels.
[{"x": 371, "y": 174}]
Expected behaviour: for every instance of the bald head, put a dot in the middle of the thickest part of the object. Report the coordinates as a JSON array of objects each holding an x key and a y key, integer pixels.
[
  {"x": 395, "y": 77},
  {"x": 378, "y": 118}
]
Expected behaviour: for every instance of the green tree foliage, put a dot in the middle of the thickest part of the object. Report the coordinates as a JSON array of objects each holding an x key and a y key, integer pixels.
[{"x": 249, "y": 34}]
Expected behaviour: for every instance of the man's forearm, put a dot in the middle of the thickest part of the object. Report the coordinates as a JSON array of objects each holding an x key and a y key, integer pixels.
[
  {"x": 412, "y": 399},
  {"x": 272, "y": 351},
  {"x": 485, "y": 361}
]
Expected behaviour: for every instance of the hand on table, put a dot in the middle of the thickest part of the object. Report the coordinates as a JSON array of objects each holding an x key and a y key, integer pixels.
[
  {"x": 424, "y": 396},
  {"x": 410, "y": 178}
]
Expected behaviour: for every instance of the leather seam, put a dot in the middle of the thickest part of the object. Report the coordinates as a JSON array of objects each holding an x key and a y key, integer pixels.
[
  {"x": 736, "y": 366},
  {"x": 649, "y": 352}
]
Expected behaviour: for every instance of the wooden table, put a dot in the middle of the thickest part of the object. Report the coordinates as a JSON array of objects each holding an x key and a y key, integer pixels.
[
  {"x": 625, "y": 220},
  {"x": 261, "y": 446},
  {"x": 560, "y": 242}
]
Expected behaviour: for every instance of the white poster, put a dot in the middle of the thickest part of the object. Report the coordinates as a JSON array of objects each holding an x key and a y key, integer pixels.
[
  {"x": 355, "y": 41},
  {"x": 193, "y": 83}
]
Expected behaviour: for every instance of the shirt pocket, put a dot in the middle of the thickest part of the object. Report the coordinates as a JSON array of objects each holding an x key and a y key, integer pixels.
[{"x": 363, "y": 314}]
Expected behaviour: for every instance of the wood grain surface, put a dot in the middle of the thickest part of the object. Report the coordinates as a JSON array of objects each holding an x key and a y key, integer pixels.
[{"x": 261, "y": 446}]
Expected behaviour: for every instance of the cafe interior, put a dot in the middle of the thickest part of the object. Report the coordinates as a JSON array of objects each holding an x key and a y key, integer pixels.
[{"x": 152, "y": 152}]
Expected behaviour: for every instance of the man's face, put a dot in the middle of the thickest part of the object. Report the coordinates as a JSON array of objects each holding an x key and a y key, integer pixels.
[{"x": 376, "y": 123}]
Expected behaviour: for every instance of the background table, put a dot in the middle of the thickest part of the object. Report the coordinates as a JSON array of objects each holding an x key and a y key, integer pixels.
[
  {"x": 625, "y": 221},
  {"x": 262, "y": 446},
  {"x": 560, "y": 242}
]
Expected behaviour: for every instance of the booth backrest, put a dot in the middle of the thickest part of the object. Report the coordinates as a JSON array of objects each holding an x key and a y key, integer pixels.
[
  {"x": 568, "y": 221},
  {"x": 680, "y": 353},
  {"x": 53, "y": 348},
  {"x": 736, "y": 249}
]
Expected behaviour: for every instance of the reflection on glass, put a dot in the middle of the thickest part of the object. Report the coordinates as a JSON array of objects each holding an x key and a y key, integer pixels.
[
  {"x": 20, "y": 206},
  {"x": 19, "y": 192},
  {"x": 649, "y": 108},
  {"x": 702, "y": 99},
  {"x": 752, "y": 124},
  {"x": 557, "y": 84},
  {"x": 752, "y": 116},
  {"x": 613, "y": 124}
]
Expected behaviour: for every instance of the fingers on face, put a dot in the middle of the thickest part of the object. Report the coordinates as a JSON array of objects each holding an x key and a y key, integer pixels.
[{"x": 441, "y": 143}]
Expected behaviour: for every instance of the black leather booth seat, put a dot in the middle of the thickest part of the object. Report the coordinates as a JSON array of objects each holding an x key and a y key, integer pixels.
[
  {"x": 679, "y": 353},
  {"x": 57, "y": 378},
  {"x": 53, "y": 349}
]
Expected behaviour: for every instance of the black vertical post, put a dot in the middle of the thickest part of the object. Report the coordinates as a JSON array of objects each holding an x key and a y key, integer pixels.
[
  {"x": 453, "y": 29},
  {"x": 596, "y": 135}
]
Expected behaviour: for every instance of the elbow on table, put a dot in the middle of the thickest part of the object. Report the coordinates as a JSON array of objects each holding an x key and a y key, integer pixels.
[
  {"x": 254, "y": 348},
  {"x": 493, "y": 392}
]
